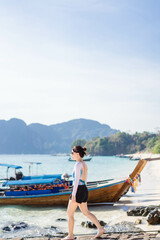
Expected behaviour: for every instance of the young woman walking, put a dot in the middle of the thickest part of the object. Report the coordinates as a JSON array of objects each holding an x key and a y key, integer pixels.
[{"x": 79, "y": 194}]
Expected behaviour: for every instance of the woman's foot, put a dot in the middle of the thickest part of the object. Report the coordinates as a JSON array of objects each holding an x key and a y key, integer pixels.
[
  {"x": 68, "y": 238},
  {"x": 100, "y": 232}
]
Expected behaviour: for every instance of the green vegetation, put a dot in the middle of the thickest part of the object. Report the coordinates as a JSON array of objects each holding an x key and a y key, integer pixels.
[
  {"x": 80, "y": 142},
  {"x": 122, "y": 142}
]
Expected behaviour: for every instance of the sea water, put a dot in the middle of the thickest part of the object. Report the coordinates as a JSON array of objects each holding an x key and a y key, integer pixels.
[{"x": 40, "y": 219}]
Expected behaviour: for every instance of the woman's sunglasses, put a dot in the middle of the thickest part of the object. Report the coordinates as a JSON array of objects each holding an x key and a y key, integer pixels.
[{"x": 73, "y": 151}]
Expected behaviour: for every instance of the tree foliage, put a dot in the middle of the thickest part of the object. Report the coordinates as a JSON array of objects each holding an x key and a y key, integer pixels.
[
  {"x": 122, "y": 142},
  {"x": 80, "y": 142}
]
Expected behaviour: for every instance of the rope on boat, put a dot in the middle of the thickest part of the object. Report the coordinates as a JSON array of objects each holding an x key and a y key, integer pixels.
[{"x": 134, "y": 182}]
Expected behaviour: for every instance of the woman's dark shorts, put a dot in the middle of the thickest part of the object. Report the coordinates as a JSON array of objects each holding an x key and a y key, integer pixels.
[{"x": 82, "y": 194}]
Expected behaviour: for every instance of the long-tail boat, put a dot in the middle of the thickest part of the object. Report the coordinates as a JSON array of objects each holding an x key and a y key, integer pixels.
[
  {"x": 87, "y": 159},
  {"x": 99, "y": 191}
]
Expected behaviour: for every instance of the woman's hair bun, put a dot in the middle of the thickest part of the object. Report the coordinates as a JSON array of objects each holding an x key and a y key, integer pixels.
[
  {"x": 80, "y": 150},
  {"x": 84, "y": 149}
]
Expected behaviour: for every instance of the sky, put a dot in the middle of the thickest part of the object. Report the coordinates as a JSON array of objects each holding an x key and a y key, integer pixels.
[{"x": 67, "y": 59}]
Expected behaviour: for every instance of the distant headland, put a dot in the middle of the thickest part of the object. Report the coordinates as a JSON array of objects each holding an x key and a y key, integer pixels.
[{"x": 16, "y": 137}]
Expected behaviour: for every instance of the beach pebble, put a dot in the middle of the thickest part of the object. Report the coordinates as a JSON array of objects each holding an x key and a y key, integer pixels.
[
  {"x": 102, "y": 223},
  {"x": 6, "y": 229},
  {"x": 53, "y": 227},
  {"x": 154, "y": 217},
  {"x": 138, "y": 221},
  {"x": 146, "y": 212},
  {"x": 89, "y": 224},
  {"x": 61, "y": 219},
  {"x": 132, "y": 212}
]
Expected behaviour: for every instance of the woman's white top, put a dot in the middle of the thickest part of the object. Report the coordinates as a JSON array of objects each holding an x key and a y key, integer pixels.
[{"x": 77, "y": 177}]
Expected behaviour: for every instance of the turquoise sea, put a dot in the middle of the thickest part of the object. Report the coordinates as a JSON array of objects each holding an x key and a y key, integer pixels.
[{"x": 41, "y": 219}]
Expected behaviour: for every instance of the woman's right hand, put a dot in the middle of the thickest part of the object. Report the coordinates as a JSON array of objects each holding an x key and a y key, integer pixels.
[{"x": 73, "y": 198}]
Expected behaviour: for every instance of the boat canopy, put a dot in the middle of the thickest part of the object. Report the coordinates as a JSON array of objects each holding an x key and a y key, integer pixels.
[
  {"x": 30, "y": 182},
  {"x": 10, "y": 166},
  {"x": 42, "y": 177}
]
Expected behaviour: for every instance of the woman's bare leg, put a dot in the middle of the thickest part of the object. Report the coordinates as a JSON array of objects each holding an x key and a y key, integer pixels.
[
  {"x": 84, "y": 209},
  {"x": 72, "y": 205}
]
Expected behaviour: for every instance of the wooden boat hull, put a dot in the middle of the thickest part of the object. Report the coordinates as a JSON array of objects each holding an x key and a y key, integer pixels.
[
  {"x": 98, "y": 193},
  {"x": 101, "y": 194}
]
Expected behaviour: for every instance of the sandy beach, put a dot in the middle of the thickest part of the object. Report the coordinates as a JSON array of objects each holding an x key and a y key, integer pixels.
[{"x": 148, "y": 193}]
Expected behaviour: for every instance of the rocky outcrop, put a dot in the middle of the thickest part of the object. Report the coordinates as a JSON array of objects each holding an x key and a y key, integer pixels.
[
  {"x": 15, "y": 226},
  {"x": 141, "y": 211},
  {"x": 151, "y": 212}
]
